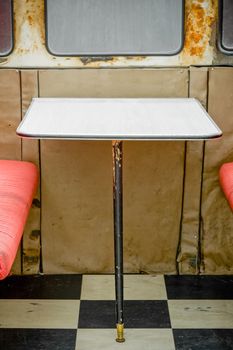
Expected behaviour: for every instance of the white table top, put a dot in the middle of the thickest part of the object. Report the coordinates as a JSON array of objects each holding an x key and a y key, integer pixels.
[{"x": 117, "y": 119}]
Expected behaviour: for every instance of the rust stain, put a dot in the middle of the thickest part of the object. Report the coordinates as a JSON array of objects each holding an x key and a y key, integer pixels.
[
  {"x": 30, "y": 20},
  {"x": 90, "y": 60},
  {"x": 136, "y": 58},
  {"x": 35, "y": 17},
  {"x": 22, "y": 51},
  {"x": 31, "y": 14},
  {"x": 200, "y": 16},
  {"x": 95, "y": 62}
]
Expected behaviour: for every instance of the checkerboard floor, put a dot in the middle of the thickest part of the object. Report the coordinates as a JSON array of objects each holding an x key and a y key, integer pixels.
[{"x": 76, "y": 312}]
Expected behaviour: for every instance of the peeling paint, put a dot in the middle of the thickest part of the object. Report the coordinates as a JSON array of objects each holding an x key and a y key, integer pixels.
[{"x": 30, "y": 50}]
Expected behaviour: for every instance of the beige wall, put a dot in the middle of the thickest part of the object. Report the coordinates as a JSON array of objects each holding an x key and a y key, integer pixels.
[
  {"x": 175, "y": 216},
  {"x": 216, "y": 218}
]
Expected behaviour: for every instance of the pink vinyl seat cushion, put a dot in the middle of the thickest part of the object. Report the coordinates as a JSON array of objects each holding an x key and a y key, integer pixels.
[
  {"x": 226, "y": 181},
  {"x": 18, "y": 183}
]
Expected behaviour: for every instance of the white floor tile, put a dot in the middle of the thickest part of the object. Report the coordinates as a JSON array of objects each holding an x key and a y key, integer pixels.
[
  {"x": 144, "y": 287},
  {"x": 136, "y": 287},
  {"x": 201, "y": 313},
  {"x": 61, "y": 314},
  {"x": 98, "y": 287},
  {"x": 136, "y": 339}
]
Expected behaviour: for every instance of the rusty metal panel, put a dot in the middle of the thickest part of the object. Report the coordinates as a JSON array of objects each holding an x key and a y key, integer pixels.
[
  {"x": 114, "y": 27},
  {"x": 217, "y": 219},
  {"x": 30, "y": 152},
  {"x": 77, "y": 223},
  {"x": 199, "y": 48},
  {"x": 6, "y": 27},
  {"x": 189, "y": 251}
]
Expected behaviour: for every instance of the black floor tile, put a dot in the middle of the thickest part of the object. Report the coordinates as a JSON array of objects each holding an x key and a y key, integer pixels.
[
  {"x": 147, "y": 314},
  {"x": 203, "y": 339},
  {"x": 97, "y": 314},
  {"x": 37, "y": 339},
  {"x": 137, "y": 314},
  {"x": 199, "y": 287},
  {"x": 41, "y": 287}
]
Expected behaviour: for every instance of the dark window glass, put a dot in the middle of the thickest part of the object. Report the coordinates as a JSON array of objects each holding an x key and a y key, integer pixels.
[
  {"x": 114, "y": 27},
  {"x": 6, "y": 30},
  {"x": 226, "y": 26}
]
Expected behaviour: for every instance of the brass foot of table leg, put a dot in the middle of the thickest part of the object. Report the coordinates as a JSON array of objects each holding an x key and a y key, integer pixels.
[{"x": 120, "y": 333}]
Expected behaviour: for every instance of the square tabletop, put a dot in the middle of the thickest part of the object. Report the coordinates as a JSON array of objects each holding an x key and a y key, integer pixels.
[{"x": 118, "y": 119}]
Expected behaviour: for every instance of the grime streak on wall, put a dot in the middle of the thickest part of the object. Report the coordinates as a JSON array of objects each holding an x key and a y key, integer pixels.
[{"x": 30, "y": 49}]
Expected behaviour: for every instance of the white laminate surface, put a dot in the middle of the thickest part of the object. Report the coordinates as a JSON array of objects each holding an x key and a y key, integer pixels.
[{"x": 123, "y": 119}]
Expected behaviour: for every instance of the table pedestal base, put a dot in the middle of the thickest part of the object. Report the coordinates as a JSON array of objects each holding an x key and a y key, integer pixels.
[{"x": 120, "y": 333}]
